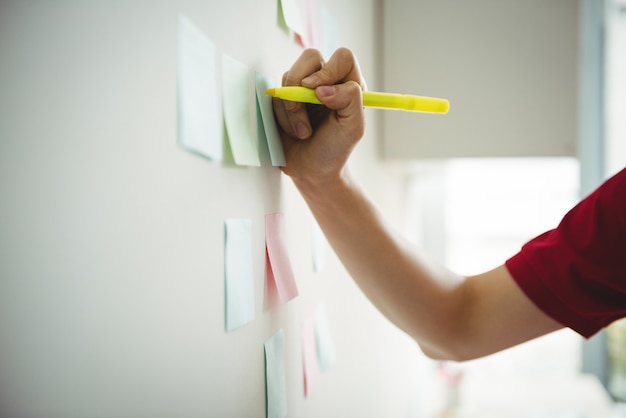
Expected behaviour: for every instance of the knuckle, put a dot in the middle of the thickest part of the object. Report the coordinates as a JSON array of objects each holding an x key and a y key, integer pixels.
[
  {"x": 344, "y": 66},
  {"x": 312, "y": 54},
  {"x": 353, "y": 88},
  {"x": 290, "y": 80},
  {"x": 344, "y": 54}
]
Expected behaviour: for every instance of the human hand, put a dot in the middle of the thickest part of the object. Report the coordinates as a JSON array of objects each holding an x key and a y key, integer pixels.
[{"x": 318, "y": 139}]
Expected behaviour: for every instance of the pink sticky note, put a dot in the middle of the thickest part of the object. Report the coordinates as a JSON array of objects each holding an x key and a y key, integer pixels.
[
  {"x": 271, "y": 294},
  {"x": 278, "y": 258},
  {"x": 312, "y": 374}
]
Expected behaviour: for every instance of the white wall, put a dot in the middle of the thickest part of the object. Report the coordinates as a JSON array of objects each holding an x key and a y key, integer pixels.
[
  {"x": 508, "y": 67},
  {"x": 111, "y": 235}
]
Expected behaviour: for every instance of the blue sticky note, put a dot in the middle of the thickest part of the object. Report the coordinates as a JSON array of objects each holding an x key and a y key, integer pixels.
[{"x": 238, "y": 275}]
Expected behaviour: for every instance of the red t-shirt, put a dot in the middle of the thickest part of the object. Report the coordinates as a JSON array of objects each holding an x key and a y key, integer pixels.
[{"x": 576, "y": 273}]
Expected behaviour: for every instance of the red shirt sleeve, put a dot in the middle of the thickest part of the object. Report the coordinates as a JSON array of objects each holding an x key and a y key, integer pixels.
[{"x": 576, "y": 273}]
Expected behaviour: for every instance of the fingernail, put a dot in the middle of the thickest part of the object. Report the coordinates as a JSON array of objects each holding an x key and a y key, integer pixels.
[
  {"x": 326, "y": 90},
  {"x": 302, "y": 130},
  {"x": 311, "y": 80}
]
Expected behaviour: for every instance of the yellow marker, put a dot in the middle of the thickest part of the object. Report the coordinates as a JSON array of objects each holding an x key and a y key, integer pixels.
[{"x": 370, "y": 99}]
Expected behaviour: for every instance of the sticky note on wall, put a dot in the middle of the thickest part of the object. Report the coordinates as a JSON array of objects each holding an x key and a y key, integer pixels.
[
  {"x": 290, "y": 15},
  {"x": 236, "y": 106},
  {"x": 238, "y": 274},
  {"x": 275, "y": 382},
  {"x": 199, "y": 110},
  {"x": 318, "y": 246},
  {"x": 279, "y": 264},
  {"x": 312, "y": 375},
  {"x": 325, "y": 346},
  {"x": 270, "y": 130}
]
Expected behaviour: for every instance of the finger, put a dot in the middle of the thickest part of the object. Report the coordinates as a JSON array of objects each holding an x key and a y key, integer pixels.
[
  {"x": 294, "y": 124},
  {"x": 347, "y": 100},
  {"x": 342, "y": 66},
  {"x": 310, "y": 61},
  {"x": 295, "y": 119},
  {"x": 289, "y": 105}
]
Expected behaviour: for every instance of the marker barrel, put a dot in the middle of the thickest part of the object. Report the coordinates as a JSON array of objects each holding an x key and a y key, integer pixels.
[
  {"x": 370, "y": 99},
  {"x": 405, "y": 102}
]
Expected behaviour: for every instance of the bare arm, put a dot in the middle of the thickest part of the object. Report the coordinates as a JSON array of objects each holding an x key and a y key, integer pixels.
[{"x": 450, "y": 316}]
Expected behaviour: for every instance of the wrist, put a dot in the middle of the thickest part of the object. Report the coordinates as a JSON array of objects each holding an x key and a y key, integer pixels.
[{"x": 326, "y": 186}]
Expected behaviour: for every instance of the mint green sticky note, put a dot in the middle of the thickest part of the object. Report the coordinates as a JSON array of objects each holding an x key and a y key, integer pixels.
[
  {"x": 276, "y": 386},
  {"x": 238, "y": 276},
  {"x": 236, "y": 107}
]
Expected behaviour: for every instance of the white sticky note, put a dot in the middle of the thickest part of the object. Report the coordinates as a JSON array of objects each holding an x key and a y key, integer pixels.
[
  {"x": 292, "y": 14},
  {"x": 200, "y": 127}
]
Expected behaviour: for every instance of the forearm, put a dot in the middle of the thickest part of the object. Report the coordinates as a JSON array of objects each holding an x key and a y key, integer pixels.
[
  {"x": 450, "y": 316},
  {"x": 421, "y": 298}
]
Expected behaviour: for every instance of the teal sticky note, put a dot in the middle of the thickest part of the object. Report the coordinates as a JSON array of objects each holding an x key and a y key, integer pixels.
[
  {"x": 238, "y": 273},
  {"x": 236, "y": 107},
  {"x": 276, "y": 386},
  {"x": 264, "y": 102},
  {"x": 199, "y": 109}
]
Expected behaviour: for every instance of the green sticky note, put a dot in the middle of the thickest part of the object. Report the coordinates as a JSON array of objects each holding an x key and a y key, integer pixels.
[{"x": 236, "y": 107}]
